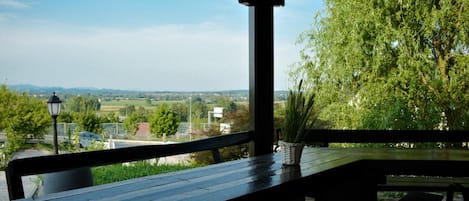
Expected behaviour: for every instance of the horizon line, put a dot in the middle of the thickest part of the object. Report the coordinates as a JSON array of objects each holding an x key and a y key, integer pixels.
[{"x": 132, "y": 90}]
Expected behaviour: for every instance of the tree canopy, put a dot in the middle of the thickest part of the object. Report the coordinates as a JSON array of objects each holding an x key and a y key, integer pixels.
[
  {"x": 89, "y": 121},
  {"x": 22, "y": 116},
  {"x": 82, "y": 104},
  {"x": 164, "y": 122},
  {"x": 132, "y": 121},
  {"x": 390, "y": 64}
]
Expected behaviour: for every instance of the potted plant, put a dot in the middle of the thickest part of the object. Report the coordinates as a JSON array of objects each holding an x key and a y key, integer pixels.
[{"x": 299, "y": 111}]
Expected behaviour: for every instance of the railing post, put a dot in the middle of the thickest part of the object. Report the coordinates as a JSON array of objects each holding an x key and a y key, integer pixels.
[
  {"x": 14, "y": 183},
  {"x": 261, "y": 72}
]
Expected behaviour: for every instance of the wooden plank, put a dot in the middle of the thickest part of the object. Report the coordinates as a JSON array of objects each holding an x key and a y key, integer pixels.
[
  {"x": 262, "y": 182},
  {"x": 387, "y": 136},
  {"x": 266, "y": 183}
]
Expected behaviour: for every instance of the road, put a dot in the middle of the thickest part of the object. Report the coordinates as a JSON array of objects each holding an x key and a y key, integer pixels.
[{"x": 132, "y": 143}]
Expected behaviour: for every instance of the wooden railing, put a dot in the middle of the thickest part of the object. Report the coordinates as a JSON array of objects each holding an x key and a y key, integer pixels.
[
  {"x": 53, "y": 163},
  {"x": 386, "y": 136}
]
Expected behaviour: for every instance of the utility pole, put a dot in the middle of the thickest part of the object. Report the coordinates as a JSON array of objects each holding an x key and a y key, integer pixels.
[{"x": 190, "y": 117}]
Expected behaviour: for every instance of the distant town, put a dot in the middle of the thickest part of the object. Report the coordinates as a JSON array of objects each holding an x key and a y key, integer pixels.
[{"x": 235, "y": 95}]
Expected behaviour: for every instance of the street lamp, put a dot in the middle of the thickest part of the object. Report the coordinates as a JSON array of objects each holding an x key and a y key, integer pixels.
[{"x": 53, "y": 104}]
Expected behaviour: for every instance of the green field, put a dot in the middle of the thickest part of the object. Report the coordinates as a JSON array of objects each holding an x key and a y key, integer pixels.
[{"x": 115, "y": 105}]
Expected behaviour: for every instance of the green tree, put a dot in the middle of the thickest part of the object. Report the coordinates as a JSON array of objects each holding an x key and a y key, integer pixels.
[
  {"x": 90, "y": 121},
  {"x": 164, "y": 122},
  {"x": 139, "y": 116},
  {"x": 29, "y": 116},
  {"x": 182, "y": 109},
  {"x": 239, "y": 118},
  {"x": 110, "y": 118},
  {"x": 22, "y": 116},
  {"x": 227, "y": 104},
  {"x": 66, "y": 117},
  {"x": 130, "y": 124},
  {"x": 7, "y": 101},
  {"x": 82, "y": 104},
  {"x": 390, "y": 64},
  {"x": 199, "y": 109}
]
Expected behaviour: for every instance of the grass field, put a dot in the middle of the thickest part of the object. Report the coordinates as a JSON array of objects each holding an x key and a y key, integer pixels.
[
  {"x": 136, "y": 102},
  {"x": 115, "y": 105}
]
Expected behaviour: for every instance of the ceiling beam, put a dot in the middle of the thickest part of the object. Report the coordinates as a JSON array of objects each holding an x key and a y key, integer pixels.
[{"x": 262, "y": 2}]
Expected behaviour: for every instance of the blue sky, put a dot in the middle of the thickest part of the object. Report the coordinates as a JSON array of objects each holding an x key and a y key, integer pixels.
[{"x": 153, "y": 45}]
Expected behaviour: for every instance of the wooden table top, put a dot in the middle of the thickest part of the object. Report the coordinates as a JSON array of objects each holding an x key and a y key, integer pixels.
[{"x": 265, "y": 175}]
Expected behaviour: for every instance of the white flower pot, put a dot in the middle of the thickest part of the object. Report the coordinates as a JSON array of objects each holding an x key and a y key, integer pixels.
[{"x": 291, "y": 152}]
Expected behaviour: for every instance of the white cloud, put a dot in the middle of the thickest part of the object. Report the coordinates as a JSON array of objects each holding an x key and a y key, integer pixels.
[{"x": 13, "y": 4}]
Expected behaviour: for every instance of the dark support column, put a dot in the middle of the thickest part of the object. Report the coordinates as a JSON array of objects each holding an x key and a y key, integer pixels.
[{"x": 261, "y": 72}]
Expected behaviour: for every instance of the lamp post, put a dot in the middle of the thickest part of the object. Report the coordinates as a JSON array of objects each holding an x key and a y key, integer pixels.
[
  {"x": 68, "y": 179},
  {"x": 53, "y": 104}
]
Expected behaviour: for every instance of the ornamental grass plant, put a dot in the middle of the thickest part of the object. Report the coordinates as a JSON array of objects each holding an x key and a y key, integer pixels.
[{"x": 299, "y": 112}]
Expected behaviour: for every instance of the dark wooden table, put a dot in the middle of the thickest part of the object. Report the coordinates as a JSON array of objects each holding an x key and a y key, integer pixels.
[{"x": 326, "y": 173}]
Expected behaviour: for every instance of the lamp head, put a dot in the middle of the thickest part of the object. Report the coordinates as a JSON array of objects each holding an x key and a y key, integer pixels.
[{"x": 53, "y": 104}]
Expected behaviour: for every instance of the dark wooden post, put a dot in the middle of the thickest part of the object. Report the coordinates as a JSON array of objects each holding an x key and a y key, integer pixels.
[
  {"x": 261, "y": 72},
  {"x": 15, "y": 185}
]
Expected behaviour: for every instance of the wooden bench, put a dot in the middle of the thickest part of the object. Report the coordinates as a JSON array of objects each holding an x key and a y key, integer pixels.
[
  {"x": 54, "y": 163},
  {"x": 401, "y": 182}
]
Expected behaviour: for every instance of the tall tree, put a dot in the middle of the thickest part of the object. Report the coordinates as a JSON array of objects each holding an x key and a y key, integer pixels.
[
  {"x": 29, "y": 116},
  {"x": 164, "y": 122},
  {"x": 82, "y": 104},
  {"x": 182, "y": 109},
  {"x": 22, "y": 116},
  {"x": 130, "y": 124},
  {"x": 7, "y": 101},
  {"x": 239, "y": 118},
  {"x": 199, "y": 108},
  {"x": 390, "y": 64},
  {"x": 90, "y": 121}
]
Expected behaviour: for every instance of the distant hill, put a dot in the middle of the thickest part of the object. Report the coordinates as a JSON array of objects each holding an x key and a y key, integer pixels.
[
  {"x": 170, "y": 95},
  {"x": 33, "y": 89}
]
